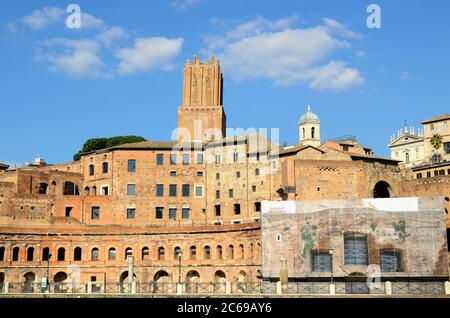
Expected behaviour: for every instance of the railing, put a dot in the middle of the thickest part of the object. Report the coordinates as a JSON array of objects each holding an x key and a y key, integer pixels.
[{"x": 249, "y": 288}]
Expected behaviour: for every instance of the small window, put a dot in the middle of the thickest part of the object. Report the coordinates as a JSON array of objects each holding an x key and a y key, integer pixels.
[
  {"x": 95, "y": 213},
  {"x": 94, "y": 254},
  {"x": 131, "y": 213},
  {"x": 219, "y": 252},
  {"x": 177, "y": 253},
  {"x": 173, "y": 159},
  {"x": 237, "y": 208},
  {"x": 278, "y": 237},
  {"x": 77, "y": 253},
  {"x": 68, "y": 211},
  {"x": 112, "y": 254},
  {"x": 30, "y": 254},
  {"x": 256, "y": 172},
  {"x": 199, "y": 173},
  {"x": 198, "y": 191},
  {"x": 321, "y": 261},
  {"x": 159, "y": 212},
  {"x": 160, "y": 159},
  {"x": 105, "y": 190},
  {"x": 105, "y": 167},
  {"x": 132, "y": 165},
  {"x": 217, "y": 158},
  {"x": 161, "y": 253},
  {"x": 131, "y": 189},
  {"x": 172, "y": 190},
  {"x": 217, "y": 176},
  {"x": 230, "y": 193},
  {"x": 419, "y": 176},
  {"x": 193, "y": 252},
  {"x": 185, "y": 213},
  {"x": 61, "y": 254},
  {"x": 207, "y": 252},
  {"x": 173, "y": 173},
  {"x": 390, "y": 261},
  {"x": 235, "y": 156},
  {"x": 15, "y": 256},
  {"x": 199, "y": 158},
  {"x": 238, "y": 174},
  {"x": 186, "y": 159},
  {"x": 91, "y": 170},
  {"x": 128, "y": 252},
  {"x": 217, "y": 210},
  {"x": 145, "y": 253},
  {"x": 172, "y": 213},
  {"x": 428, "y": 174},
  {"x": 253, "y": 188},
  {"x": 257, "y": 206},
  {"x": 217, "y": 194},
  {"x": 447, "y": 147},
  {"x": 355, "y": 250},
  {"x": 257, "y": 156},
  {"x": 431, "y": 127},
  {"x": 185, "y": 190},
  {"x": 159, "y": 190}
]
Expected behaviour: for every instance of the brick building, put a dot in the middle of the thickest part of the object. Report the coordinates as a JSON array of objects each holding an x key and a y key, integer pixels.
[{"x": 185, "y": 210}]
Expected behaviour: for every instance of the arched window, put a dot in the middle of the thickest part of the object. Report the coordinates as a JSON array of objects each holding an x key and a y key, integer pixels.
[
  {"x": 105, "y": 167},
  {"x": 304, "y": 133},
  {"x": 230, "y": 251},
  {"x": 407, "y": 157},
  {"x": 46, "y": 254},
  {"x": 251, "y": 250},
  {"x": 112, "y": 254},
  {"x": 193, "y": 252},
  {"x": 237, "y": 208},
  {"x": 94, "y": 254},
  {"x": 61, "y": 254},
  {"x": 257, "y": 206},
  {"x": 219, "y": 252},
  {"x": 86, "y": 190},
  {"x": 30, "y": 254},
  {"x": 128, "y": 252},
  {"x": 2, "y": 253},
  {"x": 312, "y": 133},
  {"x": 145, "y": 253},
  {"x": 77, "y": 254},
  {"x": 94, "y": 190},
  {"x": 241, "y": 249},
  {"x": 161, "y": 253},
  {"x": 15, "y": 257},
  {"x": 176, "y": 252},
  {"x": 91, "y": 170},
  {"x": 207, "y": 252}
]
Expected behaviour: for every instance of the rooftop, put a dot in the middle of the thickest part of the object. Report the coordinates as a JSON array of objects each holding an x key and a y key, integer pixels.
[{"x": 438, "y": 118}]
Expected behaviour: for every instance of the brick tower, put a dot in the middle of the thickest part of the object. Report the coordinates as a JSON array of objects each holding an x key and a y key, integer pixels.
[{"x": 201, "y": 116}]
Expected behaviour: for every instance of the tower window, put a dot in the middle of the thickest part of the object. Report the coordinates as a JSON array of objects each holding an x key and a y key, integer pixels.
[{"x": 312, "y": 133}]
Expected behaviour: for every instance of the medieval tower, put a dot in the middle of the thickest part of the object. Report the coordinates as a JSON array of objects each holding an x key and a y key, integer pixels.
[{"x": 201, "y": 116}]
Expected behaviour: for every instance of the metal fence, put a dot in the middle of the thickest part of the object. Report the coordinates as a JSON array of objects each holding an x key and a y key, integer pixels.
[{"x": 247, "y": 288}]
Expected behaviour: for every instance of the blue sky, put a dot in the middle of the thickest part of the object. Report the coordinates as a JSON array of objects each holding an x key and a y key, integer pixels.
[{"x": 121, "y": 72}]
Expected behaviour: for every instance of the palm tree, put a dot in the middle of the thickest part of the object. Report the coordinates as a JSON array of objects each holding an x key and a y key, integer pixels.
[{"x": 436, "y": 142}]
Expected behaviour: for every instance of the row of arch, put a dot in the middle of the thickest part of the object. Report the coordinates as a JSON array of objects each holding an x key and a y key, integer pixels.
[{"x": 207, "y": 252}]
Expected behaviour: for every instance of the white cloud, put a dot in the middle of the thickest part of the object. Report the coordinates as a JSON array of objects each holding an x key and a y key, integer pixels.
[
  {"x": 260, "y": 49},
  {"x": 47, "y": 16},
  {"x": 43, "y": 18},
  {"x": 78, "y": 58},
  {"x": 360, "y": 53},
  {"x": 335, "y": 26},
  {"x": 111, "y": 35},
  {"x": 148, "y": 54},
  {"x": 405, "y": 76},
  {"x": 182, "y": 5}
]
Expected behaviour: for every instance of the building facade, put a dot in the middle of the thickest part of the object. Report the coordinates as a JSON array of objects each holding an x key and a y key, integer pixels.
[{"x": 185, "y": 210}]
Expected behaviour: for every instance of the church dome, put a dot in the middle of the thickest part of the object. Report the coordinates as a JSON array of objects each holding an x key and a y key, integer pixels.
[{"x": 309, "y": 118}]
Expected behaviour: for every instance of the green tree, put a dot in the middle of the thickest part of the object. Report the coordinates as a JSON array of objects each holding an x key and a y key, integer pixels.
[
  {"x": 94, "y": 144},
  {"x": 436, "y": 141}
]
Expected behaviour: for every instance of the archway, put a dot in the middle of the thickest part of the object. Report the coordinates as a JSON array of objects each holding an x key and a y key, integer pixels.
[
  {"x": 192, "y": 280},
  {"x": 60, "y": 280},
  {"x": 28, "y": 282},
  {"x": 125, "y": 286},
  {"x": 356, "y": 283},
  {"x": 241, "y": 280},
  {"x": 161, "y": 281},
  {"x": 219, "y": 282},
  {"x": 381, "y": 190},
  {"x": 2, "y": 280}
]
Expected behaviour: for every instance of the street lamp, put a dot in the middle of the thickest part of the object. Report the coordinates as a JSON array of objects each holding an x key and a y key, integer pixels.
[
  {"x": 179, "y": 266},
  {"x": 48, "y": 272},
  {"x": 330, "y": 251}
]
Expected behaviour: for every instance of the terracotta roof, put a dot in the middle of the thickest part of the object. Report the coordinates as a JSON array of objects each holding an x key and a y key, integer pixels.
[
  {"x": 438, "y": 118},
  {"x": 296, "y": 148}
]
